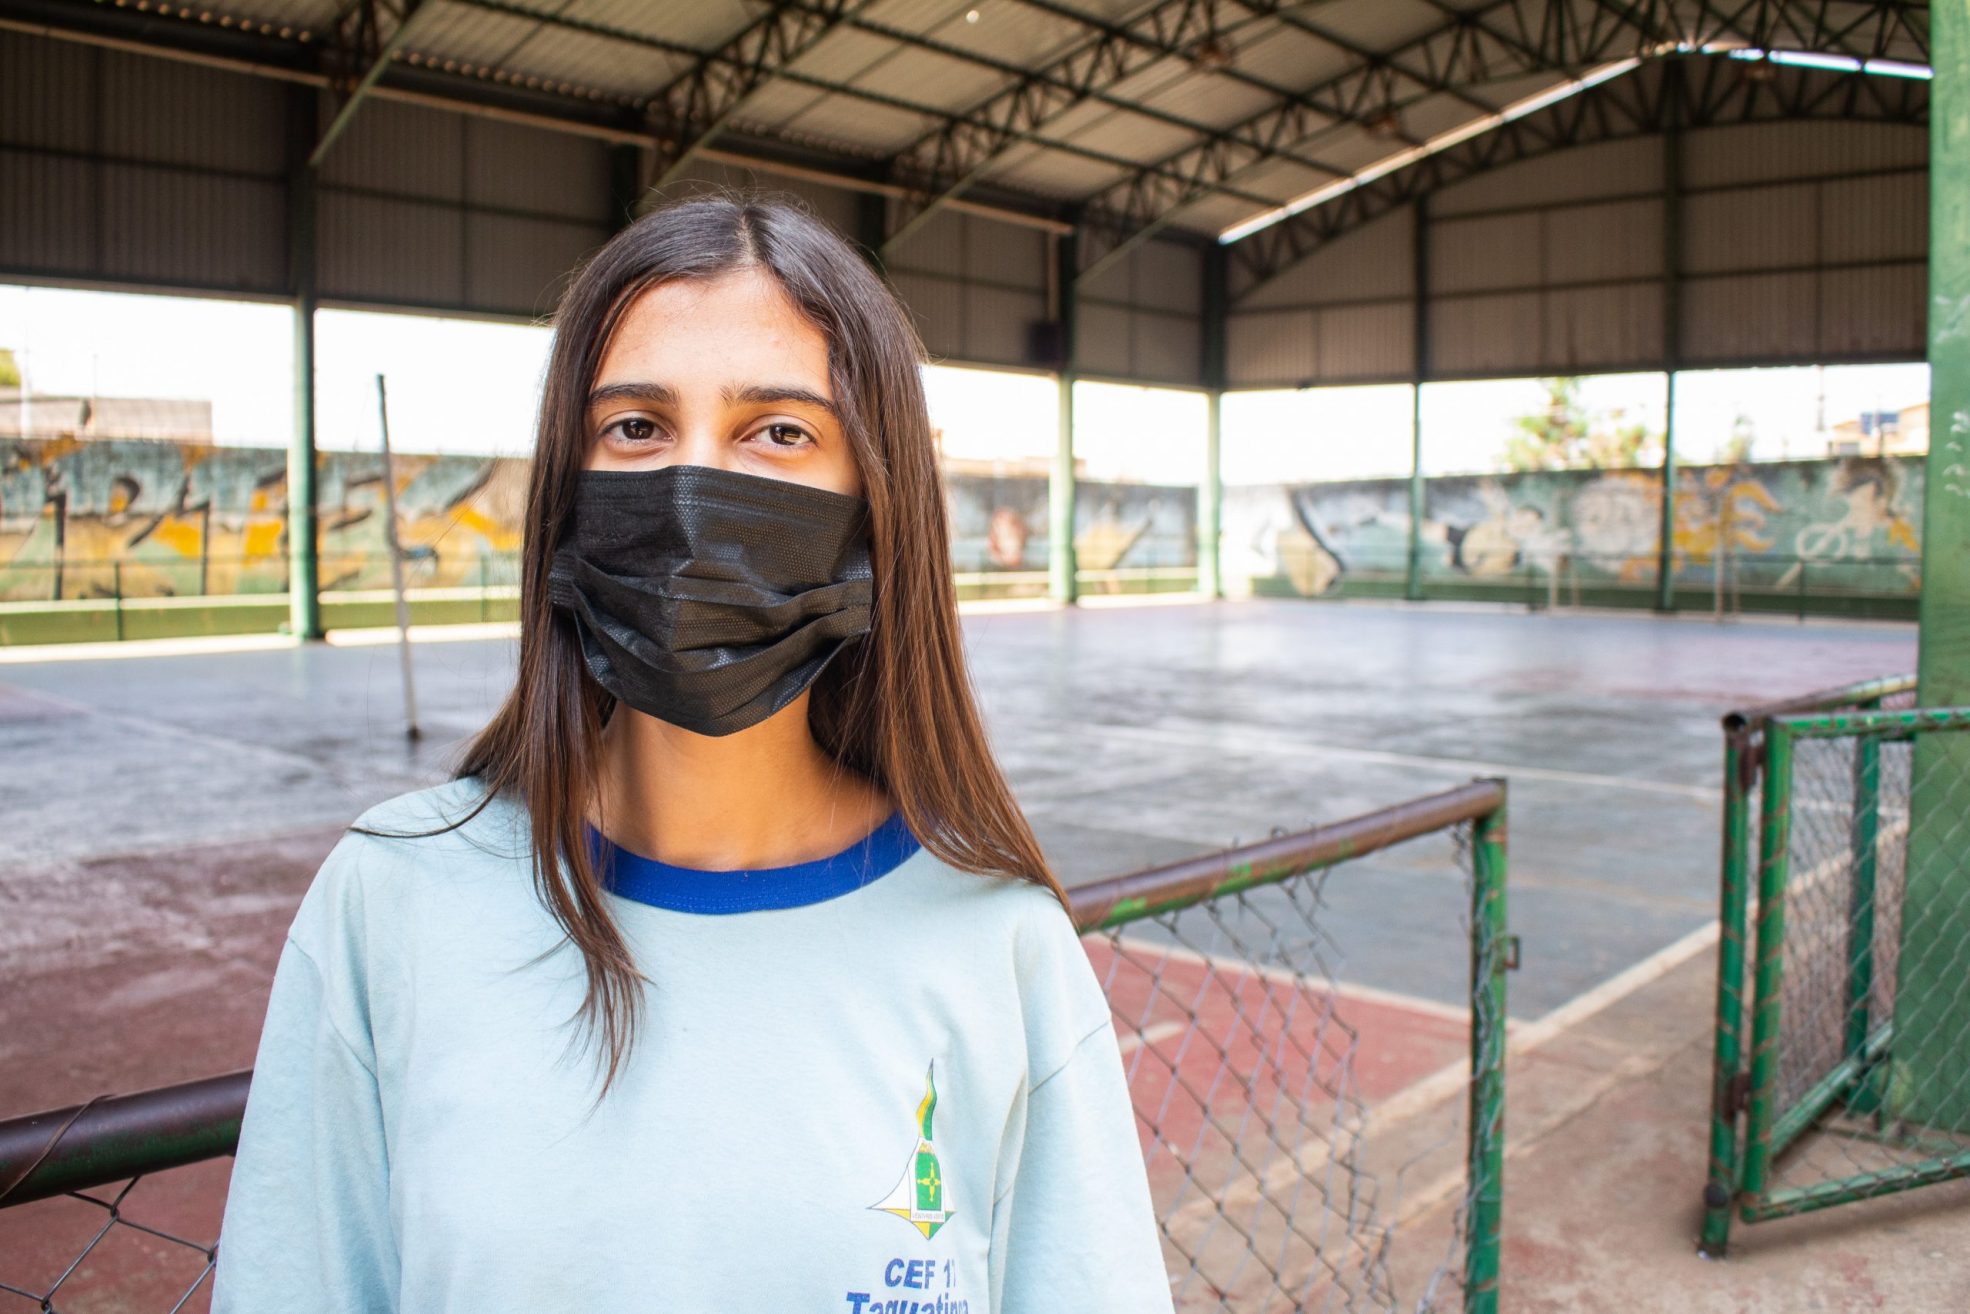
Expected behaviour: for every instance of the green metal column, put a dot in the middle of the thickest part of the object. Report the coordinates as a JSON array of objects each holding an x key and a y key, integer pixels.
[
  {"x": 1932, "y": 1009},
  {"x": 1412, "y": 588},
  {"x": 1062, "y": 585},
  {"x": 303, "y": 597},
  {"x": 1210, "y": 492},
  {"x": 1492, "y": 955},
  {"x": 626, "y": 184},
  {"x": 1672, "y": 335}
]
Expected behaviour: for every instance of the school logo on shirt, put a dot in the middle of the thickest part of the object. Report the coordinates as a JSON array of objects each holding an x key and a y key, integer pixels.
[{"x": 919, "y": 1197}]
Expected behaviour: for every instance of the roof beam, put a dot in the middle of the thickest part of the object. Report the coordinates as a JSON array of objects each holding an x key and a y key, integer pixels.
[
  {"x": 1506, "y": 38},
  {"x": 697, "y": 106},
  {"x": 1722, "y": 92},
  {"x": 951, "y": 159},
  {"x": 1439, "y": 76},
  {"x": 931, "y": 112},
  {"x": 1448, "y": 57},
  {"x": 375, "y": 56}
]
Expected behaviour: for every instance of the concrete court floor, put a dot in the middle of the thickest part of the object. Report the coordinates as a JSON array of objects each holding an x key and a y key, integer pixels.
[
  {"x": 165, "y": 813},
  {"x": 201, "y": 790}
]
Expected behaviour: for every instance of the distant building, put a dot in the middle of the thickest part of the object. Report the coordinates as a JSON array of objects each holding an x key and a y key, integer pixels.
[
  {"x": 1882, "y": 433},
  {"x": 43, "y": 415}
]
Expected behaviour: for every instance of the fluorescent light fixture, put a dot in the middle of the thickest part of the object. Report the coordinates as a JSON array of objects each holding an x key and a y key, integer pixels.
[
  {"x": 1887, "y": 68},
  {"x": 1551, "y": 96},
  {"x": 1894, "y": 68},
  {"x": 1813, "y": 59},
  {"x": 1441, "y": 142}
]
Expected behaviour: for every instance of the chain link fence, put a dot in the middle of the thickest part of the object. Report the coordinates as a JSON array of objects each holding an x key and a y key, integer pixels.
[
  {"x": 114, "y": 1205},
  {"x": 1856, "y": 1078},
  {"x": 1280, "y": 1180}
]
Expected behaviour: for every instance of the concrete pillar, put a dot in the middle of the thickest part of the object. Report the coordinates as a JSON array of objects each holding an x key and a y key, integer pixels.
[
  {"x": 1931, "y": 1050},
  {"x": 304, "y": 599}
]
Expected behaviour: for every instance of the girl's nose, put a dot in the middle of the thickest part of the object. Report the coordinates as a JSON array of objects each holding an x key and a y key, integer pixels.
[{"x": 696, "y": 446}]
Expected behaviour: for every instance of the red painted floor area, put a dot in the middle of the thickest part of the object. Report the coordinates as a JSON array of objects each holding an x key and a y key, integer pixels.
[{"x": 1229, "y": 1064}]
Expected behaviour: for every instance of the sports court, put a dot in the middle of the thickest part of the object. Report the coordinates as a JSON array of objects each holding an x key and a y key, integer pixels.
[
  {"x": 1458, "y": 510},
  {"x": 1134, "y": 735}
]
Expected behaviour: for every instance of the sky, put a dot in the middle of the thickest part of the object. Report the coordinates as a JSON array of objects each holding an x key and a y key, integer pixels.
[{"x": 472, "y": 386}]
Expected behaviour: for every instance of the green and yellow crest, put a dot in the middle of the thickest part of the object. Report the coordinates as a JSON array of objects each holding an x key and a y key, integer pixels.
[{"x": 918, "y": 1198}]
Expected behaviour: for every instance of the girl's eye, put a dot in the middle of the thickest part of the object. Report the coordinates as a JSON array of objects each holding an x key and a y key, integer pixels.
[
  {"x": 777, "y": 435},
  {"x": 633, "y": 429}
]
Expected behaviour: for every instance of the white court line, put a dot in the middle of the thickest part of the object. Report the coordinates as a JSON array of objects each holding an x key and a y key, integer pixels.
[
  {"x": 369, "y": 637},
  {"x": 1286, "y": 976},
  {"x": 1454, "y": 1077},
  {"x": 106, "y": 650},
  {"x": 1531, "y": 1035},
  {"x": 1703, "y": 793},
  {"x": 1135, "y": 1040}
]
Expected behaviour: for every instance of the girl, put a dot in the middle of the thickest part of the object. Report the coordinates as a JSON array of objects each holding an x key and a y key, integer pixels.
[{"x": 727, "y": 974}]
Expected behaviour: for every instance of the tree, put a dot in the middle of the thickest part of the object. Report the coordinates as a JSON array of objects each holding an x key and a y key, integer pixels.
[
  {"x": 1737, "y": 448},
  {"x": 1565, "y": 435},
  {"x": 10, "y": 370}
]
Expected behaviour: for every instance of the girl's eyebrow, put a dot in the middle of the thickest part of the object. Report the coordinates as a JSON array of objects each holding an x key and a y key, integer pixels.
[{"x": 662, "y": 394}]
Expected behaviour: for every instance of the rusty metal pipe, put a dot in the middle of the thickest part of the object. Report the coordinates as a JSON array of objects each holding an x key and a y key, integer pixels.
[
  {"x": 119, "y": 1136},
  {"x": 1824, "y": 700},
  {"x": 1179, "y": 884}
]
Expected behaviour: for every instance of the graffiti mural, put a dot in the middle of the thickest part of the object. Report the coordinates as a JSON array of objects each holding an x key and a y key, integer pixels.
[
  {"x": 81, "y": 517},
  {"x": 1850, "y": 523},
  {"x": 168, "y": 519}
]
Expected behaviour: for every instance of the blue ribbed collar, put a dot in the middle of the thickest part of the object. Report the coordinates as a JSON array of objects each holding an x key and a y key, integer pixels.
[{"x": 696, "y": 890}]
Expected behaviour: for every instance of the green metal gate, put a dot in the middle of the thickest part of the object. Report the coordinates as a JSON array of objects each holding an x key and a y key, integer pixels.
[{"x": 1847, "y": 1090}]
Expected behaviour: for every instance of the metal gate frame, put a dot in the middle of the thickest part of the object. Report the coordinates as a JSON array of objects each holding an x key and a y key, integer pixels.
[{"x": 1758, "y": 746}]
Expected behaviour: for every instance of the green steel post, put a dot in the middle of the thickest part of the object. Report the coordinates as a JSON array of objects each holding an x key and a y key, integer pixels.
[
  {"x": 1210, "y": 498},
  {"x": 1932, "y": 1010},
  {"x": 1733, "y": 907},
  {"x": 1490, "y": 959},
  {"x": 1672, "y": 324},
  {"x": 1860, "y": 914},
  {"x": 1210, "y": 492},
  {"x": 304, "y": 600},
  {"x": 1062, "y": 570},
  {"x": 1774, "y": 856},
  {"x": 1665, "y": 555},
  {"x": 116, "y": 569},
  {"x": 626, "y": 184},
  {"x": 1412, "y": 587}
]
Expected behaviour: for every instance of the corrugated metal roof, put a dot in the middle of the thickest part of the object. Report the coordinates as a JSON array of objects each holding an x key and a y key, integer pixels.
[{"x": 876, "y": 79}]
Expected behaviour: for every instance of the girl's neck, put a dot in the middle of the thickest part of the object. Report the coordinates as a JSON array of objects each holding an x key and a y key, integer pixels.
[{"x": 767, "y": 796}]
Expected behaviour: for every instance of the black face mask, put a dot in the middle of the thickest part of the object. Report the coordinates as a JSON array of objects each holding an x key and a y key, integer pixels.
[{"x": 709, "y": 598}]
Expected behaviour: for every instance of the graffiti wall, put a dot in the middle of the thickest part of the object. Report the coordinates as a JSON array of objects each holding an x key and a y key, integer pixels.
[
  {"x": 1847, "y": 524},
  {"x": 177, "y": 519},
  {"x": 80, "y": 518},
  {"x": 1001, "y": 524}
]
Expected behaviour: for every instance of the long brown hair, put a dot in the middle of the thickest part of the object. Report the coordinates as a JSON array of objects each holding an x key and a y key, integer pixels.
[{"x": 896, "y": 705}]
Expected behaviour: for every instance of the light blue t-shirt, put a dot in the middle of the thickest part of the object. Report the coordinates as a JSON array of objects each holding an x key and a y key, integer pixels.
[{"x": 872, "y": 1084}]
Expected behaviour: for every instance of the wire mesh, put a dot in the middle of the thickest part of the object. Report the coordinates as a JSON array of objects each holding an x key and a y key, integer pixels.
[
  {"x": 1280, "y": 1180},
  {"x": 1288, "y": 1169},
  {"x": 143, "y": 1244},
  {"x": 1861, "y": 1075}
]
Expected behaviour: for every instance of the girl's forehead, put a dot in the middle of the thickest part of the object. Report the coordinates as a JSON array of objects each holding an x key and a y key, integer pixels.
[{"x": 729, "y": 325}]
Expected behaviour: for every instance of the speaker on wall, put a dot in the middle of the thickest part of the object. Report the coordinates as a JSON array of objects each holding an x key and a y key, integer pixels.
[{"x": 1045, "y": 343}]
